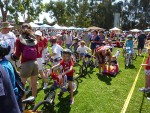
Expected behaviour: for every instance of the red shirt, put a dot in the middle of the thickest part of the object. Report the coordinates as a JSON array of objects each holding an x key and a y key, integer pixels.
[
  {"x": 60, "y": 42},
  {"x": 18, "y": 51},
  {"x": 66, "y": 66},
  {"x": 147, "y": 67},
  {"x": 45, "y": 41},
  {"x": 40, "y": 48}
]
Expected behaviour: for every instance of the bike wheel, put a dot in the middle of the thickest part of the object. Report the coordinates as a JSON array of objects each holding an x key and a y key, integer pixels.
[
  {"x": 75, "y": 85},
  {"x": 134, "y": 56},
  {"x": 42, "y": 107},
  {"x": 78, "y": 70},
  {"x": 50, "y": 96},
  {"x": 91, "y": 65}
]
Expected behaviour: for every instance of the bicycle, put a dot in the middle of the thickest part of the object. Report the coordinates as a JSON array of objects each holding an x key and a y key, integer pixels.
[
  {"x": 128, "y": 56},
  {"x": 50, "y": 96},
  {"x": 41, "y": 107}
]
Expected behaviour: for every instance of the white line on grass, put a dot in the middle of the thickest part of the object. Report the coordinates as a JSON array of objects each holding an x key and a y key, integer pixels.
[{"x": 131, "y": 91}]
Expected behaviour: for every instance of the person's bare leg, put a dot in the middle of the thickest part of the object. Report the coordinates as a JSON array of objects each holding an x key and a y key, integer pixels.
[
  {"x": 24, "y": 83},
  {"x": 42, "y": 75},
  {"x": 34, "y": 85},
  {"x": 71, "y": 90}
]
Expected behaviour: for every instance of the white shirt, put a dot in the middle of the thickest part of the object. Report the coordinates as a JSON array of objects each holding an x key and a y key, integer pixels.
[
  {"x": 83, "y": 49},
  {"x": 57, "y": 49},
  {"x": 68, "y": 39},
  {"x": 11, "y": 39}
]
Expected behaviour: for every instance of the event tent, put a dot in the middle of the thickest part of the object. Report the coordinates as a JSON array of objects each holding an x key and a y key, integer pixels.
[
  {"x": 46, "y": 26},
  {"x": 135, "y": 30},
  {"x": 115, "y": 29},
  {"x": 147, "y": 30},
  {"x": 33, "y": 24}
]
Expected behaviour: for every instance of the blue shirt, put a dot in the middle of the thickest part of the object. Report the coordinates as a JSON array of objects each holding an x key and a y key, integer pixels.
[
  {"x": 10, "y": 71},
  {"x": 129, "y": 43}
]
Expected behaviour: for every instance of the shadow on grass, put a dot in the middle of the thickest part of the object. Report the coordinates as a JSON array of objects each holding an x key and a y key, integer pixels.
[
  {"x": 130, "y": 67},
  {"x": 104, "y": 78},
  {"x": 63, "y": 105},
  {"x": 141, "y": 106}
]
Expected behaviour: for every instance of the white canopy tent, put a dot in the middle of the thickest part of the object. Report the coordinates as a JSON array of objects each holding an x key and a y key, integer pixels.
[
  {"x": 147, "y": 30},
  {"x": 115, "y": 29},
  {"x": 34, "y": 25},
  {"x": 135, "y": 30},
  {"x": 56, "y": 26},
  {"x": 46, "y": 26}
]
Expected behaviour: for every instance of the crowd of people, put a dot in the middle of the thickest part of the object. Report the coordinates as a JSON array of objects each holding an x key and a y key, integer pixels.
[{"x": 26, "y": 51}]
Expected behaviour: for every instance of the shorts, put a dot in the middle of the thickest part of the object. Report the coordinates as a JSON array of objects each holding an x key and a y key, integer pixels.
[
  {"x": 68, "y": 46},
  {"x": 93, "y": 46},
  {"x": 140, "y": 46},
  {"x": 85, "y": 55},
  {"x": 147, "y": 72},
  {"x": 70, "y": 78},
  {"x": 40, "y": 63},
  {"x": 29, "y": 68}
]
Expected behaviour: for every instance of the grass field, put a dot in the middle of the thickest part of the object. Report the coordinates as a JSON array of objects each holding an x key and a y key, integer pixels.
[{"x": 104, "y": 94}]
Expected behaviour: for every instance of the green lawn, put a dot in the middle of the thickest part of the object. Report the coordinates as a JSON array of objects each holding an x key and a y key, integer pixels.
[{"x": 103, "y": 94}]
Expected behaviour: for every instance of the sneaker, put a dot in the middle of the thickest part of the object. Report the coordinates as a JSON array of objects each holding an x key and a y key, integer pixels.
[
  {"x": 60, "y": 93},
  {"x": 145, "y": 89},
  {"x": 148, "y": 98},
  {"x": 45, "y": 86},
  {"x": 71, "y": 101}
]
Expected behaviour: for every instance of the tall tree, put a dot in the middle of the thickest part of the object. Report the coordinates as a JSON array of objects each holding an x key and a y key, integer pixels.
[{"x": 31, "y": 8}]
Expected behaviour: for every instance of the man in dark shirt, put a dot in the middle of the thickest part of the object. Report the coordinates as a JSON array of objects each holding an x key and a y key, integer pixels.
[{"x": 141, "y": 41}]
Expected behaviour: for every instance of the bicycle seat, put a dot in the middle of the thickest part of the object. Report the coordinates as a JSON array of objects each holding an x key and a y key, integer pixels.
[{"x": 29, "y": 100}]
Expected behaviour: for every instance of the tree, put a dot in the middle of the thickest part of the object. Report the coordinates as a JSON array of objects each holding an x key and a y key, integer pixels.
[
  {"x": 31, "y": 8},
  {"x": 57, "y": 10}
]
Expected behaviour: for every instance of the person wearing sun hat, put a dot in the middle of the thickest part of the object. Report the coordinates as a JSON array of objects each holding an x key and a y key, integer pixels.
[
  {"x": 40, "y": 48},
  {"x": 6, "y": 34},
  {"x": 25, "y": 43}
]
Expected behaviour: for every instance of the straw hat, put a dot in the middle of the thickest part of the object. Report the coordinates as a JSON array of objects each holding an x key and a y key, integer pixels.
[{"x": 6, "y": 25}]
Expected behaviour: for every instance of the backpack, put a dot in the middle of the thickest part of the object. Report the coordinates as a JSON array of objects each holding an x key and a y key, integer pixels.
[{"x": 29, "y": 52}]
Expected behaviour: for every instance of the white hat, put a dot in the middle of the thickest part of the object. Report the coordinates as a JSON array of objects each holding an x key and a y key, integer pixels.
[
  {"x": 38, "y": 33},
  {"x": 59, "y": 35}
]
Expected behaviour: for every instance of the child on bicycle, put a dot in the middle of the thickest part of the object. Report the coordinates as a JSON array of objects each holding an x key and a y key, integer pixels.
[
  {"x": 67, "y": 66},
  {"x": 129, "y": 42},
  {"x": 83, "y": 50}
]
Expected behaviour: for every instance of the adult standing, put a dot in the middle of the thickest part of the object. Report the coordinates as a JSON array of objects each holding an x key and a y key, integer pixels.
[
  {"x": 25, "y": 48},
  {"x": 141, "y": 41},
  {"x": 6, "y": 34},
  {"x": 40, "y": 49},
  {"x": 86, "y": 38},
  {"x": 102, "y": 37},
  {"x": 95, "y": 40},
  {"x": 68, "y": 39}
]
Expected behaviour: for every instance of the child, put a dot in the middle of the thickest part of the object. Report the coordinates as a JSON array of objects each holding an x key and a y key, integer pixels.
[
  {"x": 75, "y": 45},
  {"x": 113, "y": 60},
  {"x": 147, "y": 73},
  {"x": 83, "y": 50},
  {"x": 56, "y": 50},
  {"x": 4, "y": 50},
  {"x": 67, "y": 66},
  {"x": 59, "y": 40}
]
